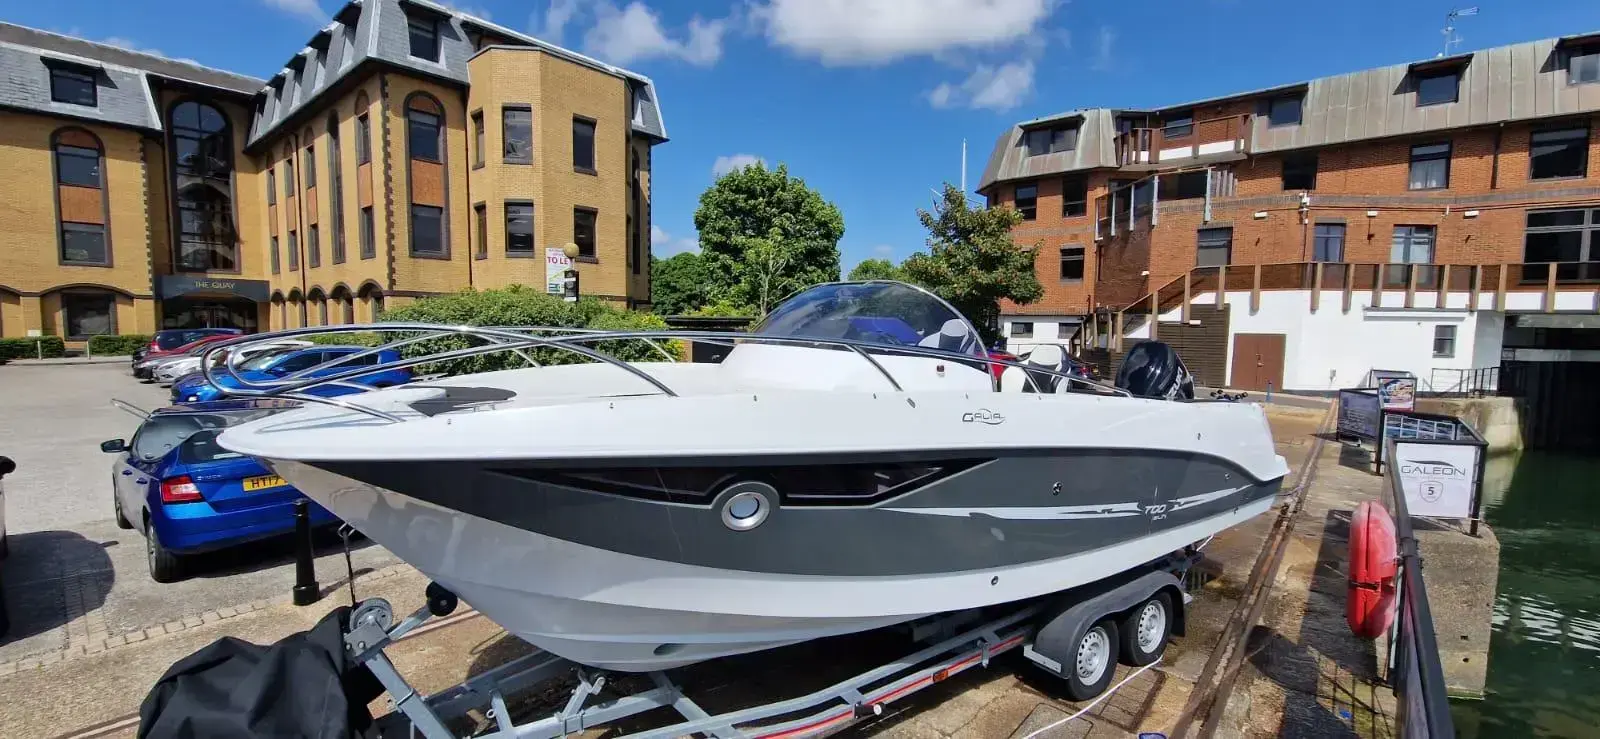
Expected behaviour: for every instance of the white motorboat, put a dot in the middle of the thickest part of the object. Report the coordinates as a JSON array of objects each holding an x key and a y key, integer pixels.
[{"x": 849, "y": 465}]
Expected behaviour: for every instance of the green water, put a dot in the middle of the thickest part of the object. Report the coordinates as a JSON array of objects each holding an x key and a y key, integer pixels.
[{"x": 1544, "y": 654}]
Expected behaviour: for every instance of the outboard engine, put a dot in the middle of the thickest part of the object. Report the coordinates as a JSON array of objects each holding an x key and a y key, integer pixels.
[{"x": 1152, "y": 369}]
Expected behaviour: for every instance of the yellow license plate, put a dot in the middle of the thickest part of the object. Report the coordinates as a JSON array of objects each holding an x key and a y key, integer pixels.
[{"x": 263, "y": 482}]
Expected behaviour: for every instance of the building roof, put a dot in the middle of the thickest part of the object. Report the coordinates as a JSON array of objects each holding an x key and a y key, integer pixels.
[
  {"x": 1518, "y": 82},
  {"x": 124, "y": 92},
  {"x": 378, "y": 31}
]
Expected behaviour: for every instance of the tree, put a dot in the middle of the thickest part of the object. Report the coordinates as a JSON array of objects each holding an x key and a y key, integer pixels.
[
  {"x": 876, "y": 269},
  {"x": 972, "y": 260},
  {"x": 795, "y": 232},
  {"x": 678, "y": 284}
]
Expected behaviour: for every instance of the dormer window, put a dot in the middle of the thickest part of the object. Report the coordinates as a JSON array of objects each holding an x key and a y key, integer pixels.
[
  {"x": 1284, "y": 111},
  {"x": 1438, "y": 87},
  {"x": 1583, "y": 65},
  {"x": 424, "y": 37},
  {"x": 73, "y": 85},
  {"x": 1178, "y": 126},
  {"x": 1050, "y": 140}
]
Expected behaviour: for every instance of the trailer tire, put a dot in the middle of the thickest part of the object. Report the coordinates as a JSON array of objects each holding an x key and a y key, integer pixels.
[
  {"x": 1094, "y": 661},
  {"x": 1145, "y": 630}
]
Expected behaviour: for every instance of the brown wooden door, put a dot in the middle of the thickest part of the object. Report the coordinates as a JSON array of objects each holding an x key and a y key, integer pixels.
[{"x": 1257, "y": 360}]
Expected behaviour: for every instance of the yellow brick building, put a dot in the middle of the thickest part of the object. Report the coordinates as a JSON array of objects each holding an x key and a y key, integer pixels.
[{"x": 407, "y": 150}]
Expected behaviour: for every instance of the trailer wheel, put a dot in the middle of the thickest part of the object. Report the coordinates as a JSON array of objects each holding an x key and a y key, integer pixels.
[
  {"x": 1094, "y": 661},
  {"x": 1146, "y": 629}
]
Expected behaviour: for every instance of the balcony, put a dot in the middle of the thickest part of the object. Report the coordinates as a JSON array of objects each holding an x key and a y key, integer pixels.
[{"x": 1213, "y": 136}]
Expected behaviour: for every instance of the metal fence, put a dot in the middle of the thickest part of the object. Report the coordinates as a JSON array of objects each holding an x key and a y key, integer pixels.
[
  {"x": 1415, "y": 673},
  {"x": 1477, "y": 382}
]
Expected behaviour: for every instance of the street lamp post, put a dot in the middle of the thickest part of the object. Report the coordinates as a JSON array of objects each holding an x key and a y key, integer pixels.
[{"x": 569, "y": 280}]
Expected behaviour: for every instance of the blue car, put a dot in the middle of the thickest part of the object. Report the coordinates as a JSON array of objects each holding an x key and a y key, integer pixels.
[
  {"x": 190, "y": 495},
  {"x": 273, "y": 366}
]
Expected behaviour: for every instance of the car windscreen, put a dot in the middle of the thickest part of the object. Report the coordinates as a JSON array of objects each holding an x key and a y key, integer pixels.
[
  {"x": 162, "y": 433},
  {"x": 174, "y": 338}
]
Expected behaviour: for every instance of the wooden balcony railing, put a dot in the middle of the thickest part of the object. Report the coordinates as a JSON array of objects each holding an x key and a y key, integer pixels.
[
  {"x": 1228, "y": 134},
  {"x": 1417, "y": 285}
]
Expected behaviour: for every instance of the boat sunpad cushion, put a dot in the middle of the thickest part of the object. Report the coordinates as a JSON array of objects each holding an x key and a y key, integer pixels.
[{"x": 460, "y": 398}]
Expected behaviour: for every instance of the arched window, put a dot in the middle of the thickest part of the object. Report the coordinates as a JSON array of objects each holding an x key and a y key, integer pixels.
[
  {"x": 372, "y": 295},
  {"x": 319, "y": 301},
  {"x": 336, "y": 191},
  {"x": 346, "y": 303},
  {"x": 425, "y": 147},
  {"x": 202, "y": 166},
  {"x": 80, "y": 191}
]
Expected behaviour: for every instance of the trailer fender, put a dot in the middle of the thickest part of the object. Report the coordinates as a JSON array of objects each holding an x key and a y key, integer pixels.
[{"x": 1063, "y": 623}]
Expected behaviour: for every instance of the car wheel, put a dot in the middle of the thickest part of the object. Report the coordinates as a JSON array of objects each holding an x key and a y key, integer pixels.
[
  {"x": 122, "y": 518},
  {"x": 164, "y": 565},
  {"x": 1145, "y": 631},
  {"x": 1094, "y": 662}
]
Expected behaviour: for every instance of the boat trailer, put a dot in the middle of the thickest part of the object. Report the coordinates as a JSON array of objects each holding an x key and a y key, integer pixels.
[{"x": 372, "y": 629}]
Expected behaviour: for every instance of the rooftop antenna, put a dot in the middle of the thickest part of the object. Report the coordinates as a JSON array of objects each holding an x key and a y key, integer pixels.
[
  {"x": 963, "y": 167},
  {"x": 1450, "y": 27}
]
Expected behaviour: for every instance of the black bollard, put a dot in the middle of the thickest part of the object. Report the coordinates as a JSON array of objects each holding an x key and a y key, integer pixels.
[{"x": 305, "y": 571}]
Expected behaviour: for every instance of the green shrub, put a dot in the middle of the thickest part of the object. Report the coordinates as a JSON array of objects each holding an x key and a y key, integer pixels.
[
  {"x": 350, "y": 338},
  {"x": 725, "y": 309},
  {"x": 633, "y": 350},
  {"x": 112, "y": 345},
  {"x": 27, "y": 347}
]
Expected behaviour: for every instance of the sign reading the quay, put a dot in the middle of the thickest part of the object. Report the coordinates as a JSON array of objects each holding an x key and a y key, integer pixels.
[{"x": 175, "y": 286}]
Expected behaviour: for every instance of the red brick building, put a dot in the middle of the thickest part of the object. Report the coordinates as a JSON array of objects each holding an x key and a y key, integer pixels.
[{"x": 1484, "y": 158}]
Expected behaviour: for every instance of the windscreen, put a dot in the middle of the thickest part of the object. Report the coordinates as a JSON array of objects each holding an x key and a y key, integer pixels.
[
  {"x": 162, "y": 433},
  {"x": 885, "y": 313}
]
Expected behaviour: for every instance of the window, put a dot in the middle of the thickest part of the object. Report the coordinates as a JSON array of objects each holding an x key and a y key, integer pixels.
[
  {"x": 274, "y": 255},
  {"x": 1182, "y": 186},
  {"x": 427, "y": 230},
  {"x": 77, "y": 165},
  {"x": 89, "y": 314},
  {"x": 583, "y": 145},
  {"x": 1583, "y": 65},
  {"x": 294, "y": 252},
  {"x": 1444, "y": 341},
  {"x": 517, "y": 125},
  {"x": 1215, "y": 247},
  {"x": 1072, "y": 263},
  {"x": 73, "y": 86},
  {"x": 1571, "y": 237},
  {"x": 1066, "y": 330},
  {"x": 1328, "y": 243},
  {"x": 322, "y": 315},
  {"x": 1074, "y": 196},
  {"x": 288, "y": 178},
  {"x": 363, "y": 139},
  {"x": 635, "y": 234},
  {"x": 583, "y": 227},
  {"x": 1027, "y": 201},
  {"x": 1411, "y": 245},
  {"x": 205, "y": 230},
  {"x": 1021, "y": 329},
  {"x": 480, "y": 215},
  {"x": 1558, "y": 154},
  {"x": 1440, "y": 87},
  {"x": 369, "y": 246},
  {"x": 422, "y": 135},
  {"x": 313, "y": 247},
  {"x": 1300, "y": 171},
  {"x": 202, "y": 163},
  {"x": 1430, "y": 167},
  {"x": 336, "y": 198},
  {"x": 477, "y": 139},
  {"x": 84, "y": 243},
  {"x": 424, "y": 37},
  {"x": 519, "y": 230},
  {"x": 272, "y": 187},
  {"x": 311, "y": 167},
  {"x": 1284, "y": 111},
  {"x": 1050, "y": 140},
  {"x": 1178, "y": 126}
]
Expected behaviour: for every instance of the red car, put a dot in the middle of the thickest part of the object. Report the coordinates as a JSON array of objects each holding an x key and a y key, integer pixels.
[
  {"x": 996, "y": 368},
  {"x": 143, "y": 368}
]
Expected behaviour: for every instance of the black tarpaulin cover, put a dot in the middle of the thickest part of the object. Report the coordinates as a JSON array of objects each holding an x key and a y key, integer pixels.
[{"x": 302, "y": 686}]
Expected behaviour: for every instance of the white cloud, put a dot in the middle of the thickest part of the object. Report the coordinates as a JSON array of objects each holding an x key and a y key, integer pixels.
[
  {"x": 1104, "y": 48},
  {"x": 629, "y": 34},
  {"x": 477, "y": 11},
  {"x": 883, "y": 251},
  {"x": 877, "y": 31},
  {"x": 129, "y": 44},
  {"x": 988, "y": 87},
  {"x": 731, "y": 162},
  {"x": 303, "y": 8},
  {"x": 662, "y": 244},
  {"x": 554, "y": 23}
]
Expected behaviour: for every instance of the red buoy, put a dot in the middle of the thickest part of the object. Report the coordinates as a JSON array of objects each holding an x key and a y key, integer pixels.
[{"x": 1369, "y": 602}]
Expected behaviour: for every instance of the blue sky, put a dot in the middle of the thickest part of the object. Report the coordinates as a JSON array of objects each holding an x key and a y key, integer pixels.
[{"x": 868, "y": 100}]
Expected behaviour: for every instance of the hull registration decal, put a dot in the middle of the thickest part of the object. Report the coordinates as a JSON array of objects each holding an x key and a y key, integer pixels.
[{"x": 1079, "y": 512}]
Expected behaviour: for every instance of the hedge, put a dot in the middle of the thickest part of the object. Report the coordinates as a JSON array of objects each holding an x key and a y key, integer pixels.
[
  {"x": 28, "y": 347},
  {"x": 109, "y": 345}
]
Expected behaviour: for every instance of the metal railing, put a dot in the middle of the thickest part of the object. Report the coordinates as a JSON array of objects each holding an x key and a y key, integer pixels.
[
  {"x": 1476, "y": 382},
  {"x": 1415, "y": 673},
  {"x": 520, "y": 340}
]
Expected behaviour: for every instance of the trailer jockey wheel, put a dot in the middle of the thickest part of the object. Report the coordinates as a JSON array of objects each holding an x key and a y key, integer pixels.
[
  {"x": 1145, "y": 630},
  {"x": 441, "y": 602},
  {"x": 1094, "y": 662}
]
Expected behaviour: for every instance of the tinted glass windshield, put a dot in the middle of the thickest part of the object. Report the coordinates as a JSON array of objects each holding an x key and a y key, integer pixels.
[
  {"x": 263, "y": 359},
  {"x": 887, "y": 313},
  {"x": 163, "y": 432}
]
